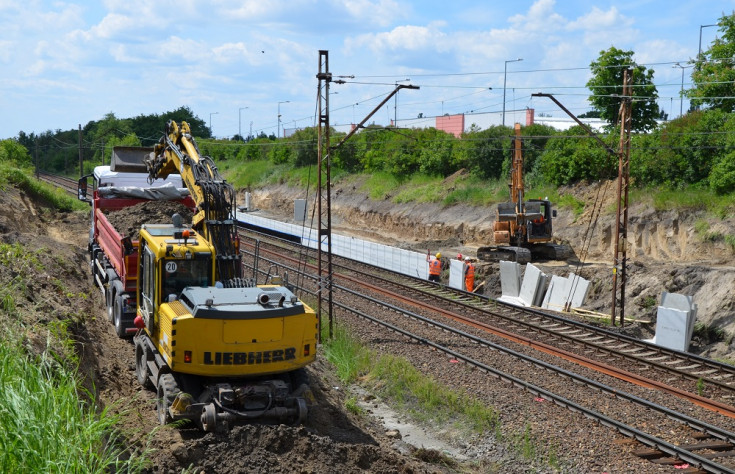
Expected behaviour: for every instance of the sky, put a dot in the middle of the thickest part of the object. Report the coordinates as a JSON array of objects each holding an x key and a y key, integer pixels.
[{"x": 238, "y": 64}]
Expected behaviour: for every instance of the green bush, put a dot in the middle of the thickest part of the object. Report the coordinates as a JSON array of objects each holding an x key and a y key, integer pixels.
[{"x": 722, "y": 176}]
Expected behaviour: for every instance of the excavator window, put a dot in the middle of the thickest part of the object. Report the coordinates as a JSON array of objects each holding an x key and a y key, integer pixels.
[{"x": 178, "y": 274}]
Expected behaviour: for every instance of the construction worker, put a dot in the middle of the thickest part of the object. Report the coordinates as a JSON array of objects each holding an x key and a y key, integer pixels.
[
  {"x": 469, "y": 275},
  {"x": 435, "y": 267}
]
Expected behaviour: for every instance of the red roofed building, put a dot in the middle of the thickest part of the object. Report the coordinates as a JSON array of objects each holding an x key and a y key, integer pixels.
[{"x": 453, "y": 124}]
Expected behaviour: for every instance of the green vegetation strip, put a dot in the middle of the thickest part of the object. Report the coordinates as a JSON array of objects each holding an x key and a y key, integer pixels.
[
  {"x": 423, "y": 398},
  {"x": 46, "y": 423}
]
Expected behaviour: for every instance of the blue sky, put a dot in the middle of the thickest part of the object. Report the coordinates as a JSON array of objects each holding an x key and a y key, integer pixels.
[{"x": 66, "y": 63}]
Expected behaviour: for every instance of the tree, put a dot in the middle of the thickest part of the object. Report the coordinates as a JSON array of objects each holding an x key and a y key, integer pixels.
[
  {"x": 606, "y": 85},
  {"x": 714, "y": 75}
]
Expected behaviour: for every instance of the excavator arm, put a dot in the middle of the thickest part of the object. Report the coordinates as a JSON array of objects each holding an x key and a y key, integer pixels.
[{"x": 177, "y": 152}]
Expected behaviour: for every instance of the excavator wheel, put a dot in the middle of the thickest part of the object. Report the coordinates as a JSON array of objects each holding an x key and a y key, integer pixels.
[
  {"x": 301, "y": 412},
  {"x": 209, "y": 418},
  {"x": 166, "y": 393},
  {"x": 141, "y": 365}
]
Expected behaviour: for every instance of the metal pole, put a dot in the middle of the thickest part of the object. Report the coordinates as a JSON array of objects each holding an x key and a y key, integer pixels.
[
  {"x": 239, "y": 121},
  {"x": 81, "y": 156},
  {"x": 681, "y": 92},
  {"x": 395, "y": 104},
  {"x": 505, "y": 77},
  {"x": 210, "y": 123},
  {"x": 278, "y": 126},
  {"x": 699, "y": 51}
]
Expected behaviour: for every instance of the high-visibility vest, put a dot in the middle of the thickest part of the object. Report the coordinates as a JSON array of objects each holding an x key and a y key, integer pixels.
[
  {"x": 469, "y": 277},
  {"x": 435, "y": 267}
]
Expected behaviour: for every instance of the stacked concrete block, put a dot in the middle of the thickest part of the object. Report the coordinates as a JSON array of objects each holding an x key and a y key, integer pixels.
[
  {"x": 529, "y": 291},
  {"x": 510, "y": 281},
  {"x": 675, "y": 321},
  {"x": 566, "y": 293},
  {"x": 456, "y": 274}
]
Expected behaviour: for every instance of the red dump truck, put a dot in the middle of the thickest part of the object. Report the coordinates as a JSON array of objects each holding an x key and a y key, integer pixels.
[{"x": 113, "y": 252}]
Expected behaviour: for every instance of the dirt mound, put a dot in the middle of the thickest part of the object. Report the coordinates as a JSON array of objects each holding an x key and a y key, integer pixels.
[
  {"x": 131, "y": 218},
  {"x": 332, "y": 441}
]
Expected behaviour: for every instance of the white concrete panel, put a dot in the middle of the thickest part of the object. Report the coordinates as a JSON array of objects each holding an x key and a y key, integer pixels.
[
  {"x": 530, "y": 285},
  {"x": 579, "y": 288},
  {"x": 541, "y": 293},
  {"x": 557, "y": 294},
  {"x": 299, "y": 210},
  {"x": 399, "y": 260},
  {"x": 510, "y": 278},
  {"x": 456, "y": 274},
  {"x": 671, "y": 328},
  {"x": 677, "y": 301}
]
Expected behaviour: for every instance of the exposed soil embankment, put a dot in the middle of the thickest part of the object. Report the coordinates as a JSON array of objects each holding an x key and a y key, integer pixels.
[{"x": 664, "y": 250}]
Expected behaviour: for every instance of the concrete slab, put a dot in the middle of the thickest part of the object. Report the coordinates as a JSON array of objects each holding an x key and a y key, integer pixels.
[
  {"x": 543, "y": 283},
  {"x": 510, "y": 278},
  {"x": 299, "y": 210},
  {"x": 557, "y": 294},
  {"x": 579, "y": 289},
  {"x": 530, "y": 285},
  {"x": 677, "y": 301},
  {"x": 456, "y": 274},
  {"x": 671, "y": 328}
]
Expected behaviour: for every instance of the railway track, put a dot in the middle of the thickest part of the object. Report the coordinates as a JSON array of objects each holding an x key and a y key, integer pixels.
[
  {"x": 63, "y": 182},
  {"x": 471, "y": 315},
  {"x": 699, "y": 376}
]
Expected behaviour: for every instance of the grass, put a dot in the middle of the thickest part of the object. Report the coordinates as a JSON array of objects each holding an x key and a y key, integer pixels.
[
  {"x": 54, "y": 196},
  {"x": 402, "y": 385},
  {"x": 48, "y": 422},
  {"x": 380, "y": 185}
]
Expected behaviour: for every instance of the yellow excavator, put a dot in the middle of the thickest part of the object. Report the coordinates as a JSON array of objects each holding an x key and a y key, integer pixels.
[
  {"x": 217, "y": 348},
  {"x": 523, "y": 228}
]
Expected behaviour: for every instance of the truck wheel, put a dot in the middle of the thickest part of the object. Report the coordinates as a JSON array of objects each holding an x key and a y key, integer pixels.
[
  {"x": 110, "y": 301},
  {"x": 141, "y": 365},
  {"x": 118, "y": 315},
  {"x": 167, "y": 391}
]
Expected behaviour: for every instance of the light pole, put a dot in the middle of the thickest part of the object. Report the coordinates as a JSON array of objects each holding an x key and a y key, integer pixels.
[
  {"x": 395, "y": 106},
  {"x": 505, "y": 76},
  {"x": 210, "y": 122},
  {"x": 681, "y": 93},
  {"x": 239, "y": 121},
  {"x": 278, "y": 125},
  {"x": 699, "y": 51}
]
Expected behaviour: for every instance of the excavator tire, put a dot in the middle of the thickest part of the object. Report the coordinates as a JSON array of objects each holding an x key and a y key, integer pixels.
[
  {"x": 141, "y": 366},
  {"x": 166, "y": 394}
]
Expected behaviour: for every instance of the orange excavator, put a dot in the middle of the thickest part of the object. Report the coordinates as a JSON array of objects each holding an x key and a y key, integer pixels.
[{"x": 523, "y": 228}]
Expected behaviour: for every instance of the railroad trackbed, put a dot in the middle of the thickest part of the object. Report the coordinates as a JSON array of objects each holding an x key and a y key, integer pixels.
[{"x": 673, "y": 407}]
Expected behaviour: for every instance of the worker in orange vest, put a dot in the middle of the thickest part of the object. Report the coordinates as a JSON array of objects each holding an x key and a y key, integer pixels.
[
  {"x": 469, "y": 275},
  {"x": 435, "y": 267}
]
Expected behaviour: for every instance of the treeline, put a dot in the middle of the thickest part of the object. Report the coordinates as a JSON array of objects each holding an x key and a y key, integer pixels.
[
  {"x": 697, "y": 149},
  {"x": 58, "y": 151}
]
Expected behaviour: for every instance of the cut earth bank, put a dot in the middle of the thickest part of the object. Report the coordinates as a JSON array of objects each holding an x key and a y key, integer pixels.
[{"x": 666, "y": 251}]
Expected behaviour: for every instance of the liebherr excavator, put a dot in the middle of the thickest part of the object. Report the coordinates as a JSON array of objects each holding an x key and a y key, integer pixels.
[
  {"x": 216, "y": 347},
  {"x": 523, "y": 228}
]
